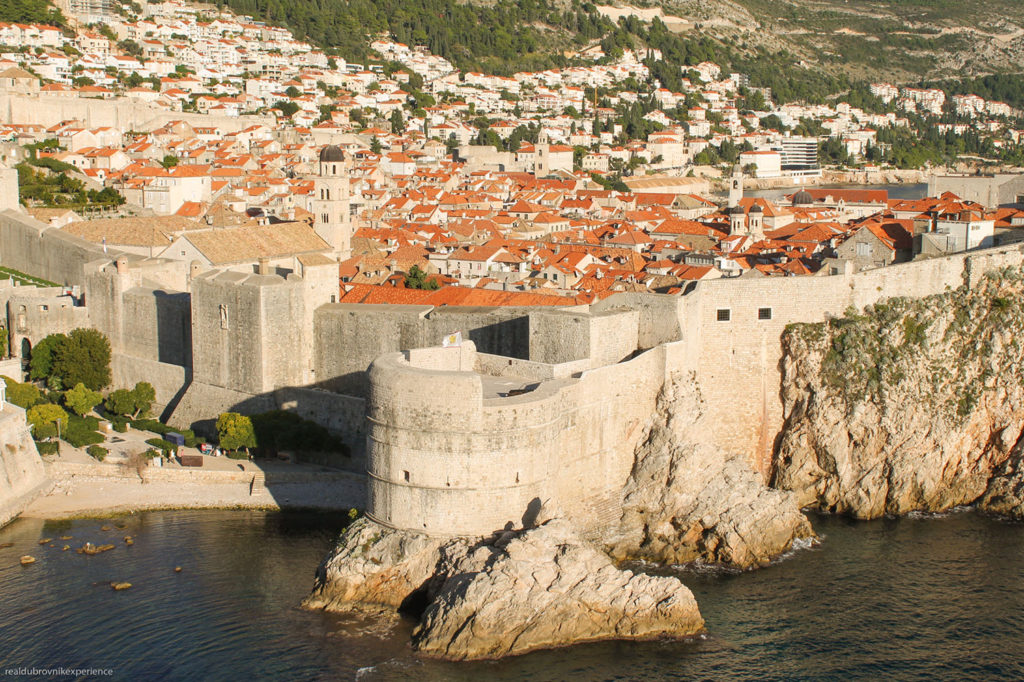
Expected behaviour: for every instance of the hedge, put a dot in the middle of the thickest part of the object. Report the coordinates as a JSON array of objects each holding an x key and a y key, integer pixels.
[
  {"x": 97, "y": 452},
  {"x": 48, "y": 447},
  {"x": 81, "y": 431},
  {"x": 163, "y": 445}
]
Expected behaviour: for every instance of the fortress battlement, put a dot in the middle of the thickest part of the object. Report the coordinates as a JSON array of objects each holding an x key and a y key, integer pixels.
[{"x": 538, "y": 404}]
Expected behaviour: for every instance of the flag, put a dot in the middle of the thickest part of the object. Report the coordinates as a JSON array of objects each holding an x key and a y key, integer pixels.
[{"x": 452, "y": 340}]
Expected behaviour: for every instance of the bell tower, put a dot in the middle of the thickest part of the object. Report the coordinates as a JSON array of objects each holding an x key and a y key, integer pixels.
[
  {"x": 735, "y": 187},
  {"x": 331, "y": 204}
]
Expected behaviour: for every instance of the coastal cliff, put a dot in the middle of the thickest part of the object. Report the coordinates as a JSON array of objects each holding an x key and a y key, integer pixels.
[
  {"x": 507, "y": 594},
  {"x": 686, "y": 501},
  {"x": 912, "y": 405},
  {"x": 22, "y": 476}
]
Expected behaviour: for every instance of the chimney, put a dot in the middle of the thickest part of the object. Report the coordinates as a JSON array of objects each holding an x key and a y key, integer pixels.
[{"x": 263, "y": 266}]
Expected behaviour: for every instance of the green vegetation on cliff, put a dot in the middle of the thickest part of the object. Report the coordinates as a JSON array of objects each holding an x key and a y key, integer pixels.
[{"x": 951, "y": 339}]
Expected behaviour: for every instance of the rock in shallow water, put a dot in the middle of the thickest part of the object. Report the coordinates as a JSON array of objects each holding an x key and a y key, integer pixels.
[{"x": 504, "y": 595}]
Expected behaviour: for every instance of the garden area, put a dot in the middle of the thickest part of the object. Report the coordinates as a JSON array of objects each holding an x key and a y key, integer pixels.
[{"x": 66, "y": 399}]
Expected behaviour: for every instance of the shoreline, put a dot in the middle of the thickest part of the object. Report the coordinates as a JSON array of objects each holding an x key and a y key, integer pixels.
[{"x": 105, "y": 490}]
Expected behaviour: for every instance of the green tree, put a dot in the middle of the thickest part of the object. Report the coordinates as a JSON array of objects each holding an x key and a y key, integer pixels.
[
  {"x": 44, "y": 418},
  {"x": 417, "y": 279},
  {"x": 287, "y": 107},
  {"x": 143, "y": 396},
  {"x": 235, "y": 431},
  {"x": 293, "y": 92},
  {"x": 83, "y": 358},
  {"x": 81, "y": 400},
  {"x": 169, "y": 161},
  {"x": 397, "y": 122},
  {"x": 41, "y": 359},
  {"x": 120, "y": 402},
  {"x": 375, "y": 145}
]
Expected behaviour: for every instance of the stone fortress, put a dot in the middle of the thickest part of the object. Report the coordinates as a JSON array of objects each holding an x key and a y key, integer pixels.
[{"x": 538, "y": 405}]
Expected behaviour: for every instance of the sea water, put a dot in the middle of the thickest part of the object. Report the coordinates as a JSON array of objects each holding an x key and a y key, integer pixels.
[{"x": 918, "y": 598}]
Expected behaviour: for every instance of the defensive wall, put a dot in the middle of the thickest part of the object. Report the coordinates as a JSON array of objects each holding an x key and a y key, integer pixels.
[
  {"x": 22, "y": 476},
  {"x": 44, "y": 109},
  {"x": 453, "y": 452},
  {"x": 539, "y": 404},
  {"x": 737, "y": 360}
]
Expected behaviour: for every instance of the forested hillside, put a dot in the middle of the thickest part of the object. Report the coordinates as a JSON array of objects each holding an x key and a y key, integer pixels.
[
  {"x": 30, "y": 12},
  {"x": 507, "y": 36}
]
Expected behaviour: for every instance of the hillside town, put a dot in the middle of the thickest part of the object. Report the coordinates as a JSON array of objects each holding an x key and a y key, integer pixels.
[{"x": 462, "y": 188}]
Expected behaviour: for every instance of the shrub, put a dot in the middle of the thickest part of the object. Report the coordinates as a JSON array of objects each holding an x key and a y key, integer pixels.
[
  {"x": 80, "y": 439},
  {"x": 22, "y": 395},
  {"x": 98, "y": 453},
  {"x": 120, "y": 425},
  {"x": 48, "y": 447},
  {"x": 237, "y": 454},
  {"x": 164, "y": 446},
  {"x": 151, "y": 425},
  {"x": 235, "y": 431},
  {"x": 44, "y": 418},
  {"x": 81, "y": 431}
]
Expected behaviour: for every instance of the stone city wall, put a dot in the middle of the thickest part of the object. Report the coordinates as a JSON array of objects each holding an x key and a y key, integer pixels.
[
  {"x": 34, "y": 248},
  {"x": 737, "y": 360},
  {"x": 450, "y": 455},
  {"x": 348, "y": 337},
  {"x": 47, "y": 110},
  {"x": 22, "y": 475}
]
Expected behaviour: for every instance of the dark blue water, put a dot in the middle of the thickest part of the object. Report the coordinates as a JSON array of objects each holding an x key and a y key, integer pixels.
[{"x": 934, "y": 598}]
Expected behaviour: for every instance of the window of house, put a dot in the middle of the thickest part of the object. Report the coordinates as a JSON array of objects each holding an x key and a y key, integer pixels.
[
  {"x": 764, "y": 313},
  {"x": 863, "y": 249},
  {"x": 406, "y": 473},
  {"x": 723, "y": 314}
]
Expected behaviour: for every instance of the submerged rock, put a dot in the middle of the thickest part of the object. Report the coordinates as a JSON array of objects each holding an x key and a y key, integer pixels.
[
  {"x": 120, "y": 586},
  {"x": 914, "y": 405},
  {"x": 508, "y": 594},
  {"x": 688, "y": 502},
  {"x": 26, "y": 560}
]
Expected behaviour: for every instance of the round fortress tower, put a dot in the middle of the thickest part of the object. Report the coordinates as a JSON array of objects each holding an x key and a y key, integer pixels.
[{"x": 447, "y": 458}]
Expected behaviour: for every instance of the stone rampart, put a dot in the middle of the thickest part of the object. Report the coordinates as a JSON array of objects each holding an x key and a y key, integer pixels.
[
  {"x": 22, "y": 475},
  {"x": 737, "y": 358},
  {"x": 348, "y": 337},
  {"x": 120, "y": 113},
  {"x": 451, "y": 453},
  {"x": 35, "y": 248}
]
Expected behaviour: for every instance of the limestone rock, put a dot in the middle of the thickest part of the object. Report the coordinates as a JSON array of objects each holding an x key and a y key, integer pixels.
[
  {"x": 543, "y": 588},
  {"x": 687, "y": 502},
  {"x": 374, "y": 565},
  {"x": 915, "y": 405},
  {"x": 507, "y": 594}
]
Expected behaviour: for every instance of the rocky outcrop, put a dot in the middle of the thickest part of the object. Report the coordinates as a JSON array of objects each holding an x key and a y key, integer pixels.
[
  {"x": 914, "y": 405},
  {"x": 22, "y": 476},
  {"x": 508, "y": 594},
  {"x": 373, "y": 565},
  {"x": 687, "y": 502}
]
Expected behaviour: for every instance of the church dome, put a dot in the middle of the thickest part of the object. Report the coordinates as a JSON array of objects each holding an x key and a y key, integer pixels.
[
  {"x": 332, "y": 154},
  {"x": 756, "y": 208},
  {"x": 803, "y": 198},
  {"x": 735, "y": 210}
]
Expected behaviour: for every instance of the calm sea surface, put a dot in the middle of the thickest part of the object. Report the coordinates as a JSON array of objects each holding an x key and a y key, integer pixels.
[{"x": 920, "y": 598}]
